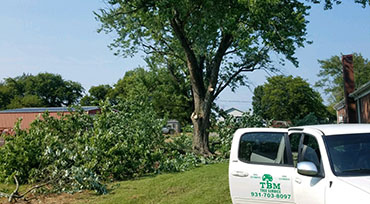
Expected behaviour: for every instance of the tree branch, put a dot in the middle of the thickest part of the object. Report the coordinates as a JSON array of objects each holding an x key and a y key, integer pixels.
[
  {"x": 15, "y": 195},
  {"x": 134, "y": 9},
  {"x": 221, "y": 87},
  {"x": 214, "y": 70},
  {"x": 155, "y": 50},
  {"x": 15, "y": 192},
  {"x": 196, "y": 74},
  {"x": 34, "y": 187},
  {"x": 231, "y": 51}
]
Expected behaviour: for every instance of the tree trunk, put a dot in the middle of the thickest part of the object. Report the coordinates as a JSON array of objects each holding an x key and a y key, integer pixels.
[
  {"x": 201, "y": 123},
  {"x": 203, "y": 94}
]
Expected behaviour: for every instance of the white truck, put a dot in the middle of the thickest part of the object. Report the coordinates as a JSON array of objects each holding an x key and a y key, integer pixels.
[{"x": 323, "y": 164}]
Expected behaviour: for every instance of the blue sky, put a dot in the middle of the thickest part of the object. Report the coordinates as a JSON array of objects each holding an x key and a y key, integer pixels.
[{"x": 60, "y": 37}]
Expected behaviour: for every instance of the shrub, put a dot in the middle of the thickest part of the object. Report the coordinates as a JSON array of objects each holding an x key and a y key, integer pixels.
[
  {"x": 227, "y": 128},
  {"x": 51, "y": 151},
  {"x": 78, "y": 151}
]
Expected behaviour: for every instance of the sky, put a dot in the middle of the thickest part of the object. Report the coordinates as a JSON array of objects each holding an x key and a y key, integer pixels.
[{"x": 61, "y": 37}]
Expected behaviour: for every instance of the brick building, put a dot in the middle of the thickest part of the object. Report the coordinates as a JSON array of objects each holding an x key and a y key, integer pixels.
[
  {"x": 8, "y": 118},
  {"x": 355, "y": 107},
  {"x": 362, "y": 99}
]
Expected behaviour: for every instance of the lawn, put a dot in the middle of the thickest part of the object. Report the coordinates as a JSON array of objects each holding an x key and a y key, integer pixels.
[{"x": 206, "y": 184}]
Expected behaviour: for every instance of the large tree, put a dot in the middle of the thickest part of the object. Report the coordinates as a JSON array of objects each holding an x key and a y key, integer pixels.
[
  {"x": 287, "y": 98},
  {"x": 43, "y": 89},
  {"x": 216, "y": 40},
  {"x": 331, "y": 75}
]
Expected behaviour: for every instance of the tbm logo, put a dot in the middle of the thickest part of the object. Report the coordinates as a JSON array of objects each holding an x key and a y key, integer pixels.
[{"x": 267, "y": 183}]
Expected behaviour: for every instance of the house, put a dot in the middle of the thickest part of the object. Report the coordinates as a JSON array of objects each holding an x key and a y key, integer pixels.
[
  {"x": 361, "y": 96},
  {"x": 232, "y": 112},
  {"x": 8, "y": 118},
  {"x": 355, "y": 107}
]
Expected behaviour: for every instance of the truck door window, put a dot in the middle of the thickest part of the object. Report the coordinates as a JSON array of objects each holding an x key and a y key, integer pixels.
[
  {"x": 267, "y": 148},
  {"x": 294, "y": 140},
  {"x": 311, "y": 151}
]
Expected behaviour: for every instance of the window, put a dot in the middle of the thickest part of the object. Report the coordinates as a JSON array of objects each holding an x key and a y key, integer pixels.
[
  {"x": 268, "y": 148},
  {"x": 311, "y": 151},
  {"x": 349, "y": 154},
  {"x": 294, "y": 140}
]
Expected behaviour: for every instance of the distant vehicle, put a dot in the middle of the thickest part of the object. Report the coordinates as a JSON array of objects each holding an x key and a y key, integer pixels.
[
  {"x": 172, "y": 127},
  {"x": 322, "y": 164},
  {"x": 168, "y": 130}
]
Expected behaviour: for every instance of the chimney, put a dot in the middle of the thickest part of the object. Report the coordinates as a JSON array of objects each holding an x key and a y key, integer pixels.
[{"x": 349, "y": 87}]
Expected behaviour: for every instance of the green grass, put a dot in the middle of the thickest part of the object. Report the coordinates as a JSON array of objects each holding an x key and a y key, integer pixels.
[{"x": 207, "y": 184}]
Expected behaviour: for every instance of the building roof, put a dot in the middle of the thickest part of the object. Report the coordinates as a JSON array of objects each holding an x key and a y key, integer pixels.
[
  {"x": 358, "y": 93},
  {"x": 233, "y": 109},
  {"x": 339, "y": 105},
  {"x": 49, "y": 109},
  {"x": 361, "y": 91}
]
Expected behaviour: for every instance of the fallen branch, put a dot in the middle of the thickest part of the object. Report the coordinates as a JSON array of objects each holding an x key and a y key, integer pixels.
[
  {"x": 15, "y": 194},
  {"x": 35, "y": 187}
]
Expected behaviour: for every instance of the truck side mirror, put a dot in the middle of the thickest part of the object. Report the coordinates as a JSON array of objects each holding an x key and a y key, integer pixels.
[{"x": 307, "y": 168}]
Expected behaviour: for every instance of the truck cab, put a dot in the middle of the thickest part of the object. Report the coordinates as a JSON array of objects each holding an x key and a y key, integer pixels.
[{"x": 320, "y": 164}]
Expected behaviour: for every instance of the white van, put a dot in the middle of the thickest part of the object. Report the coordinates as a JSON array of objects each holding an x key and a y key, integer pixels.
[{"x": 323, "y": 164}]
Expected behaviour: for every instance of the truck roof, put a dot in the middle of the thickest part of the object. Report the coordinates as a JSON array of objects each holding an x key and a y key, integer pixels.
[{"x": 338, "y": 129}]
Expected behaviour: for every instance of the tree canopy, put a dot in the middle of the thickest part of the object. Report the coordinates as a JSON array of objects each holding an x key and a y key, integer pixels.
[
  {"x": 328, "y": 4},
  {"x": 44, "y": 89},
  {"x": 331, "y": 75},
  {"x": 211, "y": 49},
  {"x": 212, "y": 43},
  {"x": 287, "y": 98}
]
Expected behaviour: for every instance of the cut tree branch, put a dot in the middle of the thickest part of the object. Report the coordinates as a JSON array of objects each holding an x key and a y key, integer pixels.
[{"x": 15, "y": 194}]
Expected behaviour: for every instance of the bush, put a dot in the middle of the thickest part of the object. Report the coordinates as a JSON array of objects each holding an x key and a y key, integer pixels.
[
  {"x": 178, "y": 155},
  {"x": 227, "y": 128},
  {"x": 78, "y": 151}
]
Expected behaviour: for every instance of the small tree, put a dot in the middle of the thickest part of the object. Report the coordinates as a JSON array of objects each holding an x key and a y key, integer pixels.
[
  {"x": 287, "y": 98},
  {"x": 331, "y": 75}
]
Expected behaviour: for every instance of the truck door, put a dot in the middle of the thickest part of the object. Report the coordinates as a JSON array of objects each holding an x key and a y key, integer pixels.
[
  {"x": 261, "y": 167},
  {"x": 308, "y": 189}
]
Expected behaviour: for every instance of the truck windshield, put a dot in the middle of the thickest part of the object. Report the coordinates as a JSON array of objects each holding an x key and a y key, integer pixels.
[{"x": 349, "y": 154}]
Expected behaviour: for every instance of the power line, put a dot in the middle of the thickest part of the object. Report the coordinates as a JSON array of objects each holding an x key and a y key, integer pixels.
[{"x": 233, "y": 101}]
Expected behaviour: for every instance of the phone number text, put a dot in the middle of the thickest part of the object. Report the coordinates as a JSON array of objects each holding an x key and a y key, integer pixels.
[{"x": 270, "y": 195}]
